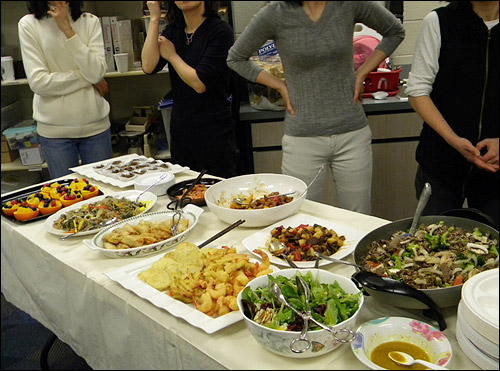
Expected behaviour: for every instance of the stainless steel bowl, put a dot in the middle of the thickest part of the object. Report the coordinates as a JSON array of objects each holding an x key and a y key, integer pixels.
[{"x": 442, "y": 297}]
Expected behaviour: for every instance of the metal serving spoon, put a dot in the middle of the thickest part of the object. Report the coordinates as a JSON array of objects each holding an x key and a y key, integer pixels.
[
  {"x": 101, "y": 224},
  {"x": 326, "y": 257},
  {"x": 152, "y": 185},
  {"x": 278, "y": 245},
  {"x": 407, "y": 360},
  {"x": 422, "y": 201}
]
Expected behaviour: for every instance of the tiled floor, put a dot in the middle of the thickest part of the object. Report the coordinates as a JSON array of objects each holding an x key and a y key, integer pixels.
[{"x": 23, "y": 339}]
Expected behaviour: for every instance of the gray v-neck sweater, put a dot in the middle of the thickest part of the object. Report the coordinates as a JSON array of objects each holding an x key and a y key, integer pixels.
[{"x": 317, "y": 60}]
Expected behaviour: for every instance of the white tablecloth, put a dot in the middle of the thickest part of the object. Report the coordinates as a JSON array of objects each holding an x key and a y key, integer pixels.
[{"x": 62, "y": 285}]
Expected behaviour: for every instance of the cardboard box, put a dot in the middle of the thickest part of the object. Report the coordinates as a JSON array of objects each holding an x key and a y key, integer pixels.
[
  {"x": 10, "y": 155},
  {"x": 31, "y": 156},
  {"x": 5, "y": 146},
  {"x": 141, "y": 119}
]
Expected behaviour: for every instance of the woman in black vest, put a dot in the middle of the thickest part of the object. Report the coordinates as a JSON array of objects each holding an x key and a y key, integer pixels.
[
  {"x": 195, "y": 44},
  {"x": 453, "y": 86}
]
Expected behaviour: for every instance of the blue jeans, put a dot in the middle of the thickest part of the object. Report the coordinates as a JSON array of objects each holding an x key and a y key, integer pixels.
[{"x": 64, "y": 153}]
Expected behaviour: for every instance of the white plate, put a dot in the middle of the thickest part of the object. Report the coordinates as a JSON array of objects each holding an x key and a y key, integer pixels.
[
  {"x": 127, "y": 277},
  {"x": 190, "y": 212},
  {"x": 258, "y": 240},
  {"x": 480, "y": 303},
  {"x": 475, "y": 354},
  {"x": 130, "y": 195},
  {"x": 89, "y": 172}
]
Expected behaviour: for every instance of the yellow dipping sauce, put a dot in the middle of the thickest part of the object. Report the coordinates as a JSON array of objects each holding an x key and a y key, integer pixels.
[{"x": 380, "y": 355}]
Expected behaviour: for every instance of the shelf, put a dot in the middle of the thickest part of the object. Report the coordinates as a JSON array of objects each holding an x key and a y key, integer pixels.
[
  {"x": 17, "y": 165},
  {"x": 107, "y": 74}
]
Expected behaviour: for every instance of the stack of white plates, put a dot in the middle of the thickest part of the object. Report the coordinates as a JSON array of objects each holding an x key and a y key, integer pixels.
[{"x": 477, "y": 319}]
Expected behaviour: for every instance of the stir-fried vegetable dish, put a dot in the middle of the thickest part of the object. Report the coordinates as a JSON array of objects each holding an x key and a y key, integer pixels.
[
  {"x": 270, "y": 200},
  {"x": 329, "y": 304},
  {"x": 435, "y": 256},
  {"x": 88, "y": 216},
  {"x": 302, "y": 241}
]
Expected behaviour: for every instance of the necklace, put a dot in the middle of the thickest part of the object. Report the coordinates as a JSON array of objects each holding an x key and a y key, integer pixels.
[{"x": 189, "y": 38}]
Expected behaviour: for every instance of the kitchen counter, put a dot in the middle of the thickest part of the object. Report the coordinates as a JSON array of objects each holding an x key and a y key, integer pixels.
[{"x": 250, "y": 116}]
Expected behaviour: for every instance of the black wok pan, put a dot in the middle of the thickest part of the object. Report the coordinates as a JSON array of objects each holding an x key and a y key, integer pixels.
[{"x": 404, "y": 296}]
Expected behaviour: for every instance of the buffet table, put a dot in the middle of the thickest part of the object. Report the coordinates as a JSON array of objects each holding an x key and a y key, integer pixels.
[{"x": 63, "y": 286}]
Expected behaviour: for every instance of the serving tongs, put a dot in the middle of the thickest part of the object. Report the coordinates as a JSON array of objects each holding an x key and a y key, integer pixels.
[
  {"x": 177, "y": 205},
  {"x": 343, "y": 335}
]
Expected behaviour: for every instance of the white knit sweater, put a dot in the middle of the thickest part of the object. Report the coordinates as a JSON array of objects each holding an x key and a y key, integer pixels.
[{"x": 61, "y": 73}]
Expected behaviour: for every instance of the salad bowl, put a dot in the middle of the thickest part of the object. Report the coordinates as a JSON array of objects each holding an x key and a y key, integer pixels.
[{"x": 278, "y": 340}]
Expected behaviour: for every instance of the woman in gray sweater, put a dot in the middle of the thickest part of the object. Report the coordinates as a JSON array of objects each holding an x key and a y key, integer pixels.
[{"x": 324, "y": 122}]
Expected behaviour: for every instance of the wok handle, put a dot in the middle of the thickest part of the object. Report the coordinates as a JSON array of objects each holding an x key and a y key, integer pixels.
[{"x": 375, "y": 282}]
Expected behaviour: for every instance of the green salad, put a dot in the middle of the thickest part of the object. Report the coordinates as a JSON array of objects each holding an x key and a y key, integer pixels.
[{"x": 329, "y": 304}]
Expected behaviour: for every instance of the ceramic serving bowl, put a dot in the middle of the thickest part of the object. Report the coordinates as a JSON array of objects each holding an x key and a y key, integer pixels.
[
  {"x": 189, "y": 212},
  {"x": 219, "y": 196},
  {"x": 142, "y": 182},
  {"x": 400, "y": 329},
  {"x": 278, "y": 341}
]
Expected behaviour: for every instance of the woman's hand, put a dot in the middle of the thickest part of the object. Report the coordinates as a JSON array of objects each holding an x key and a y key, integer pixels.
[
  {"x": 154, "y": 9},
  {"x": 491, "y": 155},
  {"x": 102, "y": 87},
  {"x": 359, "y": 79},
  {"x": 166, "y": 47},
  {"x": 59, "y": 10},
  {"x": 473, "y": 155},
  {"x": 283, "y": 90}
]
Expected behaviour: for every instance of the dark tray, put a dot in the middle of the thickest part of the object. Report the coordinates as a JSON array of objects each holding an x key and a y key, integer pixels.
[
  {"x": 23, "y": 194},
  {"x": 178, "y": 188}
]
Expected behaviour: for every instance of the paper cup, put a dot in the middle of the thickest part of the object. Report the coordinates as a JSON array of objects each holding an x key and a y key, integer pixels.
[
  {"x": 121, "y": 60},
  {"x": 8, "y": 69}
]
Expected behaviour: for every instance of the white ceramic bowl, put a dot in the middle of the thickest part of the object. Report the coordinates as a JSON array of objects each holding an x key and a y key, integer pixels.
[
  {"x": 258, "y": 184},
  {"x": 278, "y": 341},
  {"x": 190, "y": 212},
  {"x": 386, "y": 329},
  {"x": 144, "y": 181}
]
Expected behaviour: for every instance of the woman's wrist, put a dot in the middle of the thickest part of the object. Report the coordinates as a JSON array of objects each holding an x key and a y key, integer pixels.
[{"x": 69, "y": 33}]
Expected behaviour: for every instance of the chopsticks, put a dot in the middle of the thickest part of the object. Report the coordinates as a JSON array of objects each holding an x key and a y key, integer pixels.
[{"x": 223, "y": 232}]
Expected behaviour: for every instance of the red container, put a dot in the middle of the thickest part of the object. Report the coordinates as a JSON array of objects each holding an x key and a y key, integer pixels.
[{"x": 382, "y": 81}]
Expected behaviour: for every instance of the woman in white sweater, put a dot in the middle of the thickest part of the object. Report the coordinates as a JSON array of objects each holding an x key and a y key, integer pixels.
[{"x": 63, "y": 56}]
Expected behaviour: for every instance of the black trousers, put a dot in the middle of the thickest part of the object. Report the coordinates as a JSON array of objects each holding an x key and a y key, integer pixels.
[{"x": 443, "y": 198}]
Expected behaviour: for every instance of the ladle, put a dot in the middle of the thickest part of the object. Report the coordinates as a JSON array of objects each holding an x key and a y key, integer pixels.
[
  {"x": 422, "y": 201},
  {"x": 407, "y": 360}
]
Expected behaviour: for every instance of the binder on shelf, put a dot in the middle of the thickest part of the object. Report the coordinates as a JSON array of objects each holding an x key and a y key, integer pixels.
[
  {"x": 108, "y": 43},
  {"x": 124, "y": 41},
  {"x": 113, "y": 20}
]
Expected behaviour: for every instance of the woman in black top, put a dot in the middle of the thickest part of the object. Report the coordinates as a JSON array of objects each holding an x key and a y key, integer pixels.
[{"x": 195, "y": 44}]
